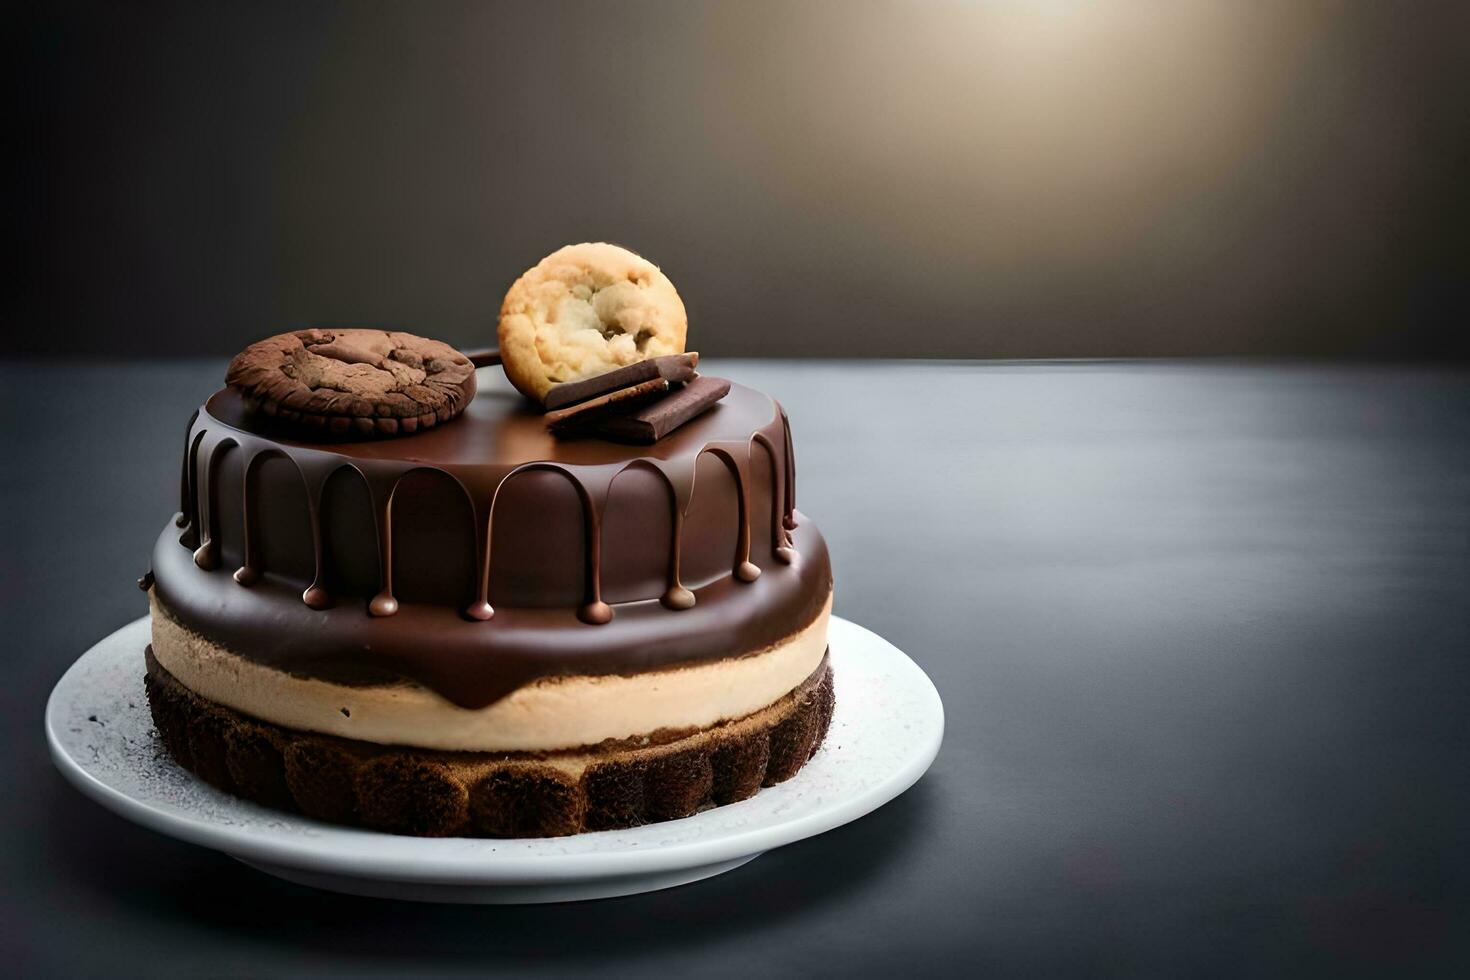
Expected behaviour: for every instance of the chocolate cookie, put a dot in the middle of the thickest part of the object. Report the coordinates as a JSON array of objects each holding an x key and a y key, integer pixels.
[{"x": 354, "y": 383}]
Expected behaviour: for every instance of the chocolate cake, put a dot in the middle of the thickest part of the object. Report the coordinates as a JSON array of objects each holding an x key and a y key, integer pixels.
[{"x": 483, "y": 627}]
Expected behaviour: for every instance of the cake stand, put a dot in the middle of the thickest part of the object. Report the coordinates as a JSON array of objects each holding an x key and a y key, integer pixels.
[{"x": 885, "y": 732}]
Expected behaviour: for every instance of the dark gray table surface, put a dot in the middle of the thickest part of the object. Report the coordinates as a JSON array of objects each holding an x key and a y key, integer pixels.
[{"x": 1202, "y": 632}]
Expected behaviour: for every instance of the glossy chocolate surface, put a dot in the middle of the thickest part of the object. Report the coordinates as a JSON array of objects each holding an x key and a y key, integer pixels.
[{"x": 483, "y": 554}]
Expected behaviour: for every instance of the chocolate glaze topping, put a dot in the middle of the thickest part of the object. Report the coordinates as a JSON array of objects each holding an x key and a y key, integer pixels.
[{"x": 483, "y": 554}]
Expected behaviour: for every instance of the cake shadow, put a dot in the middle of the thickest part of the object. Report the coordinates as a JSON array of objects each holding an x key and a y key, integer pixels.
[{"x": 153, "y": 877}]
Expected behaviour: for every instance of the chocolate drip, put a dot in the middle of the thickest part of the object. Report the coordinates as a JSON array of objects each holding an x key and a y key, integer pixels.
[
  {"x": 593, "y": 610},
  {"x": 384, "y": 603},
  {"x": 146, "y": 582},
  {"x": 480, "y": 609},
  {"x": 744, "y": 569},
  {"x": 185, "y": 496},
  {"x": 789, "y": 520},
  {"x": 675, "y": 596},
  {"x": 251, "y": 567},
  {"x": 781, "y": 545},
  {"x": 316, "y": 595},
  {"x": 206, "y": 556},
  {"x": 249, "y": 571},
  {"x": 190, "y": 538}
]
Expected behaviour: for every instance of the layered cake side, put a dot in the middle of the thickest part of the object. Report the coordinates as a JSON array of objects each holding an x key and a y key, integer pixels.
[{"x": 491, "y": 794}]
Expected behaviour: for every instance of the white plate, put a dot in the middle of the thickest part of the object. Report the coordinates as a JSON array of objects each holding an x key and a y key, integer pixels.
[{"x": 885, "y": 732}]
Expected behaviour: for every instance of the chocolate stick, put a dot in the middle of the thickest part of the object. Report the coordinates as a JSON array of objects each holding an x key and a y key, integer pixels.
[
  {"x": 673, "y": 368},
  {"x": 650, "y": 424},
  {"x": 580, "y": 415}
]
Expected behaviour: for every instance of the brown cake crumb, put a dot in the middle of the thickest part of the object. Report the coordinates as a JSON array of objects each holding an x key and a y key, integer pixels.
[{"x": 431, "y": 793}]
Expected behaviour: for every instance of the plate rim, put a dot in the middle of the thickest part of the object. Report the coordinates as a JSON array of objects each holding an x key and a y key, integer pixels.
[{"x": 310, "y": 852}]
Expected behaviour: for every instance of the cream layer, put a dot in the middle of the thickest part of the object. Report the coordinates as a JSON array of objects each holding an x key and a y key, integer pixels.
[{"x": 552, "y": 713}]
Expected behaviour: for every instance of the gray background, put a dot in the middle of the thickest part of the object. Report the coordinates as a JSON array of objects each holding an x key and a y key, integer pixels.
[
  {"x": 880, "y": 178},
  {"x": 1201, "y": 633}
]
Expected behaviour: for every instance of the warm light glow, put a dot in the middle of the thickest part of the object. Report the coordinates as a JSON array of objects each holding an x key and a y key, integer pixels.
[{"x": 1068, "y": 127}]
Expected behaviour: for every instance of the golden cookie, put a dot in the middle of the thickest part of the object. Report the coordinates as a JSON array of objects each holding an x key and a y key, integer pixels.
[{"x": 585, "y": 310}]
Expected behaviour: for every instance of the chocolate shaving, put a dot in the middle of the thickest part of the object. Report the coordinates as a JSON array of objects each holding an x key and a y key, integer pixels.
[
  {"x": 579, "y": 416},
  {"x": 650, "y": 424},
  {"x": 673, "y": 368}
]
